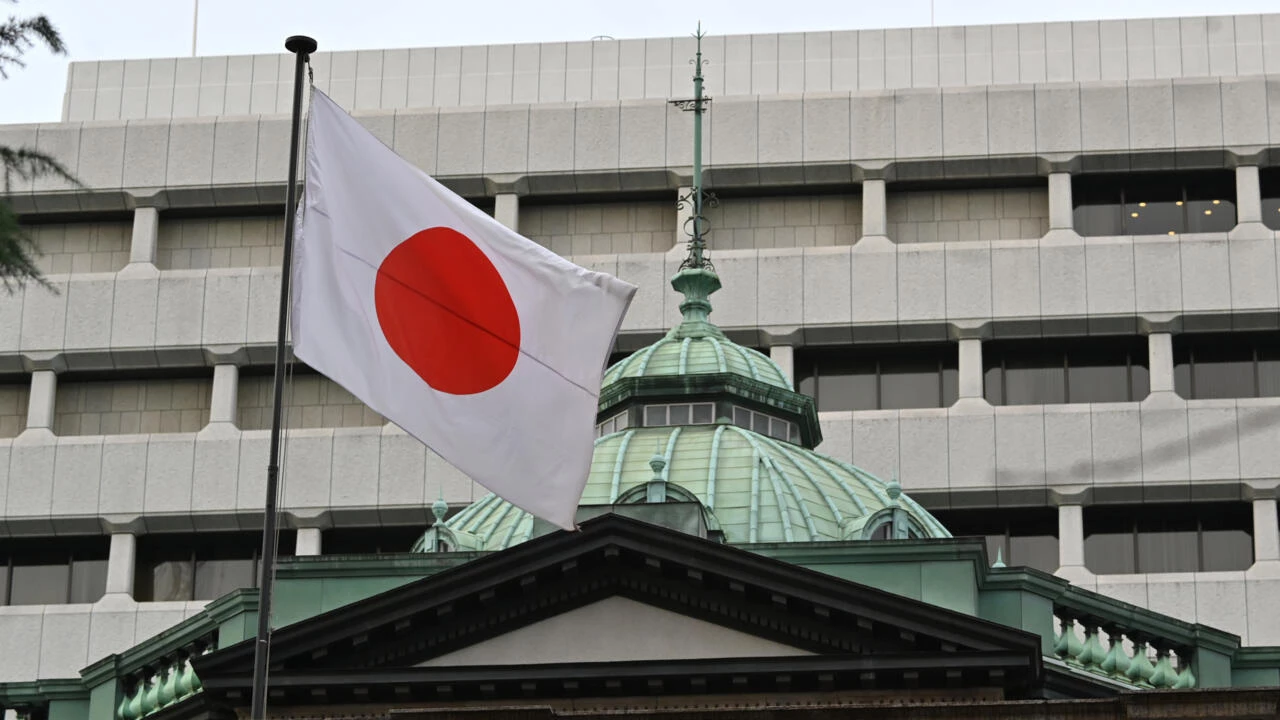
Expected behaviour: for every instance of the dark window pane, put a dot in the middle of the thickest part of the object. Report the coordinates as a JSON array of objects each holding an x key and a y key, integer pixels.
[
  {"x": 1037, "y": 551},
  {"x": 88, "y": 580},
  {"x": 1156, "y": 217},
  {"x": 1222, "y": 371},
  {"x": 1181, "y": 368},
  {"x": 950, "y": 386},
  {"x": 703, "y": 412},
  {"x": 1271, "y": 212},
  {"x": 655, "y": 415},
  {"x": 1269, "y": 372},
  {"x": 993, "y": 387},
  {"x": 1141, "y": 379},
  {"x": 215, "y": 578},
  {"x": 742, "y": 418},
  {"x": 1226, "y": 536},
  {"x": 909, "y": 384},
  {"x": 1098, "y": 382},
  {"x": 40, "y": 584},
  {"x": 1108, "y": 539},
  {"x": 1167, "y": 540},
  {"x": 370, "y": 540},
  {"x": 851, "y": 386},
  {"x": 679, "y": 415},
  {"x": 1100, "y": 219},
  {"x": 1034, "y": 379},
  {"x": 760, "y": 423},
  {"x": 883, "y": 532},
  {"x": 1108, "y": 553},
  {"x": 165, "y": 580},
  {"x": 1217, "y": 215},
  {"x": 4, "y": 580}
]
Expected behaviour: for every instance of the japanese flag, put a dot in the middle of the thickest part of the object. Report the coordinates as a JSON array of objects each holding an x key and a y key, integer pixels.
[{"x": 480, "y": 343}]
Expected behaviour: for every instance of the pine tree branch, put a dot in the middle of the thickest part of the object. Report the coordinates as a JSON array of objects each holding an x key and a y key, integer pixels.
[
  {"x": 17, "y": 248},
  {"x": 18, "y": 35}
]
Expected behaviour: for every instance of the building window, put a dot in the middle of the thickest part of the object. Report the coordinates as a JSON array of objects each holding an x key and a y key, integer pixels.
[
  {"x": 1065, "y": 370},
  {"x": 200, "y": 566},
  {"x": 1269, "y": 180},
  {"x": 1154, "y": 203},
  {"x": 374, "y": 540},
  {"x": 53, "y": 571},
  {"x": 762, "y": 424},
  {"x": 1228, "y": 365},
  {"x": 1021, "y": 536},
  {"x": 679, "y": 414},
  {"x": 879, "y": 378},
  {"x": 1199, "y": 537},
  {"x": 617, "y": 423}
]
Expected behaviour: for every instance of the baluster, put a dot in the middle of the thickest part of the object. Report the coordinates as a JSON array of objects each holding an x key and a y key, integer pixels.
[
  {"x": 1140, "y": 670},
  {"x": 1091, "y": 653},
  {"x": 1068, "y": 646},
  {"x": 168, "y": 686},
  {"x": 1164, "y": 675},
  {"x": 1116, "y": 663},
  {"x": 1186, "y": 679}
]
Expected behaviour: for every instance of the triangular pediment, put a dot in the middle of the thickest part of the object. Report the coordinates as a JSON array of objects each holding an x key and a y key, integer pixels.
[
  {"x": 616, "y": 629},
  {"x": 622, "y": 605}
]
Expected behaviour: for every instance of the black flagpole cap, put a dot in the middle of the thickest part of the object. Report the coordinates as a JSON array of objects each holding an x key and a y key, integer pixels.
[{"x": 300, "y": 44}]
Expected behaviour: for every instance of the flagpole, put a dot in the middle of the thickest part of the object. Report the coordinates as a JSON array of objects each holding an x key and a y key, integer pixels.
[{"x": 302, "y": 47}]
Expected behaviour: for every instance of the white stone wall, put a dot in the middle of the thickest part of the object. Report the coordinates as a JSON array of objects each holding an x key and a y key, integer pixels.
[
  {"x": 81, "y": 247},
  {"x": 785, "y": 222},
  {"x": 951, "y": 215},
  {"x": 601, "y": 228},
  {"x": 311, "y": 401},
  {"x": 765, "y": 64},
  {"x": 199, "y": 243},
  {"x": 127, "y": 407},
  {"x": 13, "y": 408}
]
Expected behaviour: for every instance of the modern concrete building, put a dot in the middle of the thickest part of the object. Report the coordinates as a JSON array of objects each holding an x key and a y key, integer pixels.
[{"x": 1028, "y": 271}]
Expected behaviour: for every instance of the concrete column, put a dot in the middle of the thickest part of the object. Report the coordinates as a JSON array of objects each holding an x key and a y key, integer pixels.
[
  {"x": 1070, "y": 536},
  {"x": 121, "y": 563},
  {"x": 1061, "y": 214},
  {"x": 1248, "y": 195},
  {"x": 506, "y": 210},
  {"x": 684, "y": 217},
  {"x": 146, "y": 233},
  {"x": 969, "y": 369},
  {"x": 785, "y": 357},
  {"x": 44, "y": 391},
  {"x": 1266, "y": 531},
  {"x": 875, "y": 211},
  {"x": 225, "y": 396},
  {"x": 308, "y": 541},
  {"x": 1160, "y": 361}
]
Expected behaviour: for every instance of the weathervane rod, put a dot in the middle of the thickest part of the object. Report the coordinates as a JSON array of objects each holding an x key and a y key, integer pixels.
[{"x": 698, "y": 243}]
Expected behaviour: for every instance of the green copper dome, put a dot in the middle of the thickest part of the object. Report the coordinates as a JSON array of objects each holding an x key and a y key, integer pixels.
[
  {"x": 696, "y": 346},
  {"x": 718, "y": 430},
  {"x": 752, "y": 488}
]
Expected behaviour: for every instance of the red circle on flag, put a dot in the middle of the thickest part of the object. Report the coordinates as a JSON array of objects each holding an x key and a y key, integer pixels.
[{"x": 445, "y": 310}]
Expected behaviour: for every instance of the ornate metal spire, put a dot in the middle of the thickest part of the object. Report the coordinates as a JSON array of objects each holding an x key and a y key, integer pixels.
[
  {"x": 695, "y": 226},
  {"x": 697, "y": 278}
]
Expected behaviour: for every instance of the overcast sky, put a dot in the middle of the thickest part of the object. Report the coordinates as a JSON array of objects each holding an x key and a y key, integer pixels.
[{"x": 116, "y": 29}]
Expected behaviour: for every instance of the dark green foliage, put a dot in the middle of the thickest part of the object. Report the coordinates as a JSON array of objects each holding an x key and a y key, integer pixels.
[{"x": 17, "y": 36}]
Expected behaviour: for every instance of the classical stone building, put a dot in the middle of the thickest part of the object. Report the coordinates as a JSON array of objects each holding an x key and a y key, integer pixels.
[{"x": 1027, "y": 273}]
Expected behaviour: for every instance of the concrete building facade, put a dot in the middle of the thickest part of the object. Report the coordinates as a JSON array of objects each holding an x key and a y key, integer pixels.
[{"x": 1029, "y": 271}]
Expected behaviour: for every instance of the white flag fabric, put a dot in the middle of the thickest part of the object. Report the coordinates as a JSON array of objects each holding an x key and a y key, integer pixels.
[{"x": 482, "y": 344}]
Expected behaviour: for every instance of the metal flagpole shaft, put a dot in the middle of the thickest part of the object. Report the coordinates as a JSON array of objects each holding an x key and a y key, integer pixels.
[{"x": 302, "y": 47}]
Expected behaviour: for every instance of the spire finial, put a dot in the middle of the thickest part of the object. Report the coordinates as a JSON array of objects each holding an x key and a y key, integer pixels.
[{"x": 697, "y": 278}]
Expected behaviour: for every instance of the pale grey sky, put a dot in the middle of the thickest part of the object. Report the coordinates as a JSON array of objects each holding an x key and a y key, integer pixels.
[{"x": 117, "y": 29}]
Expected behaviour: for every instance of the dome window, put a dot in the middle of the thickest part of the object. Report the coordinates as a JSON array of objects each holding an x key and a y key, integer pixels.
[
  {"x": 773, "y": 427},
  {"x": 679, "y": 414},
  {"x": 614, "y": 424}
]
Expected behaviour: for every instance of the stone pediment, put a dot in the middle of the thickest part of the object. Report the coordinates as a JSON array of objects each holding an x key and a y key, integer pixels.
[{"x": 622, "y": 606}]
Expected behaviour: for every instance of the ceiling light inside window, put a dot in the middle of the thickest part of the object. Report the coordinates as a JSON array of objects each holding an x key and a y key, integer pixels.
[
  {"x": 1142, "y": 204},
  {"x": 1217, "y": 202},
  {"x": 1133, "y": 214},
  {"x": 1172, "y": 232},
  {"x": 1208, "y": 212},
  {"x": 1178, "y": 203}
]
